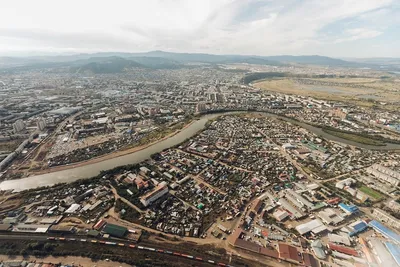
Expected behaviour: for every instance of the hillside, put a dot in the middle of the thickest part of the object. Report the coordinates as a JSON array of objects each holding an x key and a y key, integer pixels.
[{"x": 107, "y": 65}]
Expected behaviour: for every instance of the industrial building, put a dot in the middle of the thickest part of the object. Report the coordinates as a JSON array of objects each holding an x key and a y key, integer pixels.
[
  {"x": 315, "y": 226},
  {"x": 330, "y": 217},
  {"x": 394, "y": 237},
  {"x": 385, "y": 174},
  {"x": 318, "y": 249},
  {"x": 115, "y": 230},
  {"x": 152, "y": 196},
  {"x": 386, "y": 218},
  {"x": 31, "y": 228},
  {"x": 348, "y": 209},
  {"x": 294, "y": 212}
]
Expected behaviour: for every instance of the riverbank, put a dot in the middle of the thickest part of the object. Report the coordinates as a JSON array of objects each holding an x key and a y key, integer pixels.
[
  {"x": 87, "y": 170},
  {"x": 108, "y": 156},
  {"x": 355, "y": 137}
]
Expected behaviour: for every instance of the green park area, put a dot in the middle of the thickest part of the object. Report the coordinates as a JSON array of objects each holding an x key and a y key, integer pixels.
[{"x": 371, "y": 192}]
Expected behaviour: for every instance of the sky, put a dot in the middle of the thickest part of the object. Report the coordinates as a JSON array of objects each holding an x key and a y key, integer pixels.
[{"x": 336, "y": 28}]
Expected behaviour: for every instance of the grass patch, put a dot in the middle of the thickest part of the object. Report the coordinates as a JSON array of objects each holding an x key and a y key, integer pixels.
[
  {"x": 355, "y": 137},
  {"x": 370, "y": 192}
]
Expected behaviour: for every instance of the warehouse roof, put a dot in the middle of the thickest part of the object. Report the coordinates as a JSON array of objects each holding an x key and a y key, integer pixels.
[
  {"x": 309, "y": 260},
  {"x": 316, "y": 226},
  {"x": 5, "y": 227},
  {"x": 289, "y": 253},
  {"x": 348, "y": 251},
  {"x": 115, "y": 230},
  {"x": 385, "y": 231},
  {"x": 394, "y": 251}
]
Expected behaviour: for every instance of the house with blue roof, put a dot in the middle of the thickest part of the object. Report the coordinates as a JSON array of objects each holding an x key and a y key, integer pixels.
[{"x": 348, "y": 209}]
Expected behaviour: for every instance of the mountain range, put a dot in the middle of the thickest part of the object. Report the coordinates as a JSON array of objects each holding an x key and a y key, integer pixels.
[{"x": 116, "y": 62}]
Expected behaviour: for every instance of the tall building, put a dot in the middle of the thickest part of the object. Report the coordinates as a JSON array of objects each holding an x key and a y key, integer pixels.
[
  {"x": 155, "y": 194},
  {"x": 200, "y": 107},
  {"x": 18, "y": 126},
  {"x": 41, "y": 124}
]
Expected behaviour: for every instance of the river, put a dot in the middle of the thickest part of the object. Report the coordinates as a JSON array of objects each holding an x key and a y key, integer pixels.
[{"x": 90, "y": 170}]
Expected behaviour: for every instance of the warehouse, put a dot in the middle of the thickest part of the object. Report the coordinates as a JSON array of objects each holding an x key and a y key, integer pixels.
[
  {"x": 385, "y": 231},
  {"x": 318, "y": 249},
  {"x": 289, "y": 253},
  {"x": 338, "y": 239},
  {"x": 315, "y": 226},
  {"x": 357, "y": 227},
  {"x": 330, "y": 217},
  {"x": 294, "y": 211},
  {"x": 341, "y": 249},
  {"x": 309, "y": 260},
  {"x": 115, "y": 230},
  {"x": 5, "y": 227},
  {"x": 60, "y": 229},
  {"x": 280, "y": 215},
  {"x": 31, "y": 228},
  {"x": 348, "y": 209},
  {"x": 73, "y": 208},
  {"x": 394, "y": 250}
]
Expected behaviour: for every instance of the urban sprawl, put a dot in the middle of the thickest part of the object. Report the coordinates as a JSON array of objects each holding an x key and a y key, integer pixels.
[{"x": 271, "y": 177}]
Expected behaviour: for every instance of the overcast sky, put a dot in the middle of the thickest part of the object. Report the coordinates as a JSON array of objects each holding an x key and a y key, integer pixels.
[{"x": 339, "y": 28}]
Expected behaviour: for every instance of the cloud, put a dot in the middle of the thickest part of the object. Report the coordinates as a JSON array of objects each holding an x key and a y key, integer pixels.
[
  {"x": 262, "y": 27},
  {"x": 357, "y": 34}
]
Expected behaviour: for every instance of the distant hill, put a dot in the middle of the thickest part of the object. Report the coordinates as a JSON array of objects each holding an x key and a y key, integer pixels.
[
  {"x": 311, "y": 60},
  {"x": 157, "y": 62},
  {"x": 117, "y": 61},
  {"x": 210, "y": 58},
  {"x": 107, "y": 65}
]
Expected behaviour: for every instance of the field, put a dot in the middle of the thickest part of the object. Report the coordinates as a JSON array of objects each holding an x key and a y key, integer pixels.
[
  {"x": 371, "y": 192},
  {"x": 361, "y": 91}
]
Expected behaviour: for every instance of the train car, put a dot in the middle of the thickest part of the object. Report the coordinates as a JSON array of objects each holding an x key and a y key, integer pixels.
[
  {"x": 140, "y": 247},
  {"x": 168, "y": 252},
  {"x": 83, "y": 240},
  {"x": 51, "y": 238},
  {"x": 61, "y": 238},
  {"x": 199, "y": 259},
  {"x": 132, "y": 246},
  {"x": 160, "y": 250},
  {"x": 221, "y": 264},
  {"x": 210, "y": 261},
  {"x": 121, "y": 245},
  {"x": 93, "y": 241}
]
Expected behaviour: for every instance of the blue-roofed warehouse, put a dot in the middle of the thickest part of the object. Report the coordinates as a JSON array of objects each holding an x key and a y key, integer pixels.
[
  {"x": 349, "y": 209},
  {"x": 385, "y": 231},
  {"x": 394, "y": 251},
  {"x": 357, "y": 228}
]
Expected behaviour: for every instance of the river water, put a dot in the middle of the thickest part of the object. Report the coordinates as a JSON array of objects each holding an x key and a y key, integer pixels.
[{"x": 87, "y": 171}]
